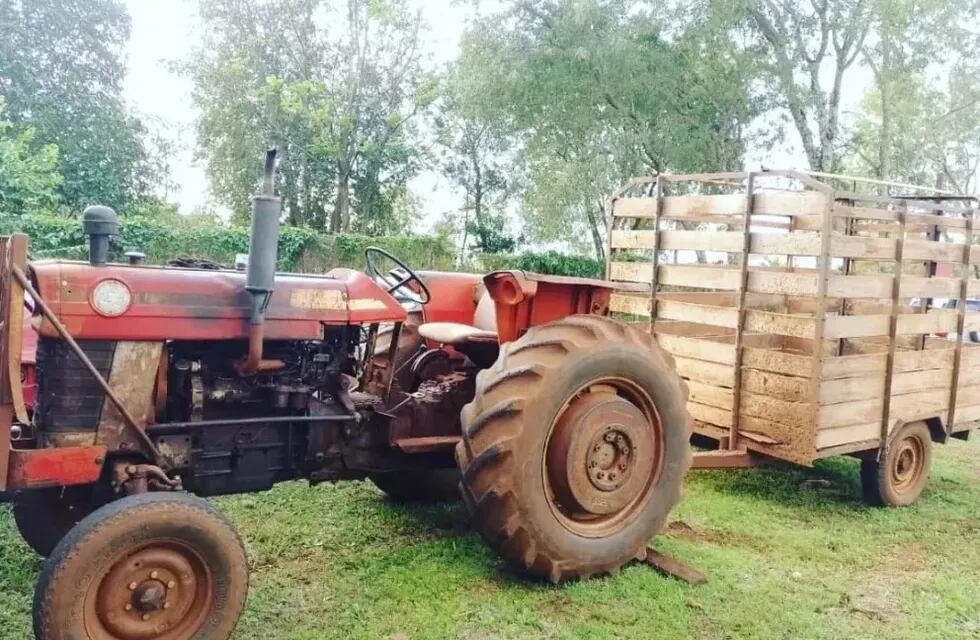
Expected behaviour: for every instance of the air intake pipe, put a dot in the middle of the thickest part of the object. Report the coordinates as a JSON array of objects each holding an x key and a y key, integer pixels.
[{"x": 263, "y": 248}]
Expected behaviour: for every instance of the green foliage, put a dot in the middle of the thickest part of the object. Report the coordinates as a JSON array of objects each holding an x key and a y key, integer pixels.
[
  {"x": 163, "y": 237},
  {"x": 338, "y": 96},
  {"x": 547, "y": 262},
  {"x": 29, "y": 179},
  {"x": 600, "y": 91},
  {"x": 61, "y": 71}
]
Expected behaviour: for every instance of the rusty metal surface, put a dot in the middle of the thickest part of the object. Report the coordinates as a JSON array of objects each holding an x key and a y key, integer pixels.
[
  {"x": 162, "y": 586},
  {"x": 133, "y": 378},
  {"x": 59, "y": 467}
]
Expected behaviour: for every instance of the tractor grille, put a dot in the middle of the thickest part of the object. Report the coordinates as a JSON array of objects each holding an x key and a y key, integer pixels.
[{"x": 69, "y": 399}]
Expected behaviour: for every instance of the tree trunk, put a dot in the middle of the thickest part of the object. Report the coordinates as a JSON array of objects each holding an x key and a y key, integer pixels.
[
  {"x": 597, "y": 225},
  {"x": 340, "y": 218}
]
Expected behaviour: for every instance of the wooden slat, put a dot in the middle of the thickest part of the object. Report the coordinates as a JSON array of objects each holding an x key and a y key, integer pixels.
[
  {"x": 935, "y": 321},
  {"x": 935, "y": 287},
  {"x": 778, "y": 323},
  {"x": 933, "y": 251},
  {"x": 707, "y": 372},
  {"x": 775, "y": 361},
  {"x": 698, "y": 313},
  {"x": 630, "y": 239},
  {"x": 631, "y": 271},
  {"x": 697, "y": 349},
  {"x": 686, "y": 206},
  {"x": 710, "y": 395},
  {"x": 837, "y": 436},
  {"x": 852, "y": 389},
  {"x": 781, "y": 387},
  {"x": 804, "y": 203},
  {"x": 701, "y": 276},
  {"x": 794, "y": 414},
  {"x": 721, "y": 241},
  {"x": 633, "y": 305},
  {"x": 920, "y": 405},
  {"x": 925, "y": 359},
  {"x": 711, "y": 415},
  {"x": 838, "y": 327},
  {"x": 853, "y": 365},
  {"x": 848, "y": 413}
]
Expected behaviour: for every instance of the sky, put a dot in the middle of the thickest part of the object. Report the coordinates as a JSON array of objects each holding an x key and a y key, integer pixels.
[
  {"x": 164, "y": 32},
  {"x": 167, "y": 31}
]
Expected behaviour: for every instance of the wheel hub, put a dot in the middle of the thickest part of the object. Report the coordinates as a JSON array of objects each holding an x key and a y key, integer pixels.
[
  {"x": 156, "y": 593},
  {"x": 601, "y": 454},
  {"x": 908, "y": 460}
]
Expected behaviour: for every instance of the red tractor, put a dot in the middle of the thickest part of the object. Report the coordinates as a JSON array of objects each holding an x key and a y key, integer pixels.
[{"x": 566, "y": 431}]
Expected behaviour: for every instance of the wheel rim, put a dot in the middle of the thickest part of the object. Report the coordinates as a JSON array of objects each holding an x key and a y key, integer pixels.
[
  {"x": 603, "y": 456},
  {"x": 908, "y": 460},
  {"x": 157, "y": 591}
]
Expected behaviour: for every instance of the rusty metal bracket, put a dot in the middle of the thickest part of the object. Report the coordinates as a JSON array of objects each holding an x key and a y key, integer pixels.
[{"x": 672, "y": 567}]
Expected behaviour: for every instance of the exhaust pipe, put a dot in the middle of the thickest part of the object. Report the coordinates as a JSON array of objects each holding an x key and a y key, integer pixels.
[{"x": 263, "y": 248}]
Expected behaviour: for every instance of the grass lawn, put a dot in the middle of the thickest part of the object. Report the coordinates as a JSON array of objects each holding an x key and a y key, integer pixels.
[{"x": 789, "y": 553}]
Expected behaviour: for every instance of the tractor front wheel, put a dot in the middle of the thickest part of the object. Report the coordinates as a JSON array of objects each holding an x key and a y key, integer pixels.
[
  {"x": 156, "y": 566},
  {"x": 575, "y": 447},
  {"x": 44, "y": 516}
]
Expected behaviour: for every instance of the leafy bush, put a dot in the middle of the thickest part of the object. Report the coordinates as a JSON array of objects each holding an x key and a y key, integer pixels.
[{"x": 547, "y": 262}]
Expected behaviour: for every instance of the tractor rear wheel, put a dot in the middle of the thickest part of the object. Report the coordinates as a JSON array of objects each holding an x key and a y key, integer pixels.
[
  {"x": 44, "y": 516},
  {"x": 897, "y": 480},
  {"x": 155, "y": 566},
  {"x": 575, "y": 447},
  {"x": 419, "y": 485}
]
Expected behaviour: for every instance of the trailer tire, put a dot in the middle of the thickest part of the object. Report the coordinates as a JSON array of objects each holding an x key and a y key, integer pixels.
[
  {"x": 44, "y": 516},
  {"x": 424, "y": 486},
  {"x": 897, "y": 480},
  {"x": 164, "y": 566},
  {"x": 575, "y": 447}
]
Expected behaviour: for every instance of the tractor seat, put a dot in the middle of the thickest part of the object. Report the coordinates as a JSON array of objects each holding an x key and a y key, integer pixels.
[{"x": 483, "y": 329}]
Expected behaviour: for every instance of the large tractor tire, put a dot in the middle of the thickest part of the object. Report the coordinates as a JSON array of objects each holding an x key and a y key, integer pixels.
[
  {"x": 44, "y": 516},
  {"x": 419, "y": 485},
  {"x": 897, "y": 480},
  {"x": 575, "y": 447},
  {"x": 156, "y": 566}
]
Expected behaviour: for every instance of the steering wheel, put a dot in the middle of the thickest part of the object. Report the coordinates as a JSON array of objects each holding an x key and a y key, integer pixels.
[{"x": 398, "y": 278}]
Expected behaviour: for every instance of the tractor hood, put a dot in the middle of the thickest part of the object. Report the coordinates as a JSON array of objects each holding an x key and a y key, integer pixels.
[{"x": 122, "y": 302}]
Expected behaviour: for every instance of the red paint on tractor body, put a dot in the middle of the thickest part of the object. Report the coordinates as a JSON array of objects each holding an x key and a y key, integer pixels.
[
  {"x": 56, "y": 467},
  {"x": 199, "y": 304}
]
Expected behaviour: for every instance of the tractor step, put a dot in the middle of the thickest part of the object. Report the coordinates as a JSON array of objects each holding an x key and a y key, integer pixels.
[{"x": 428, "y": 444}]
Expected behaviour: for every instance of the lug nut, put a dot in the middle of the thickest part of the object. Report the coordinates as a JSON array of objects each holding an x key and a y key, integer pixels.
[
  {"x": 166, "y": 605},
  {"x": 171, "y": 584},
  {"x": 610, "y": 437},
  {"x": 146, "y": 616},
  {"x": 128, "y": 607},
  {"x": 132, "y": 586},
  {"x": 154, "y": 574}
]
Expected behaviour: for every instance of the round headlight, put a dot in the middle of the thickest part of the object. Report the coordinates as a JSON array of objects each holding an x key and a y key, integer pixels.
[{"x": 111, "y": 298}]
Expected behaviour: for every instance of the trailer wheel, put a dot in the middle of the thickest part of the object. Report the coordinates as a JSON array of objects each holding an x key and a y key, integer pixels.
[
  {"x": 44, "y": 516},
  {"x": 419, "y": 485},
  {"x": 899, "y": 478},
  {"x": 156, "y": 566},
  {"x": 575, "y": 447}
]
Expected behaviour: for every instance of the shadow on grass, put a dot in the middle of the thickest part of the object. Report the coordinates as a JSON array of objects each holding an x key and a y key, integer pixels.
[{"x": 831, "y": 484}]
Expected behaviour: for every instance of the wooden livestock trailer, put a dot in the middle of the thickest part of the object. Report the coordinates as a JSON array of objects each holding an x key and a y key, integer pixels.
[{"x": 811, "y": 315}]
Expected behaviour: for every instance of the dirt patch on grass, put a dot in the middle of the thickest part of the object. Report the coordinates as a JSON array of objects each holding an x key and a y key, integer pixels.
[
  {"x": 702, "y": 535},
  {"x": 877, "y": 594}
]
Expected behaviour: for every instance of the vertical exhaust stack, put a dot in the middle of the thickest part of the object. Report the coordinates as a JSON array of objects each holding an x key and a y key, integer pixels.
[{"x": 263, "y": 249}]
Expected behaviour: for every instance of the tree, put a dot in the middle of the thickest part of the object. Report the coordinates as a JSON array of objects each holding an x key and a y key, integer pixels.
[
  {"x": 600, "y": 91},
  {"x": 474, "y": 157},
  {"x": 337, "y": 92},
  {"x": 29, "y": 179},
  {"x": 808, "y": 48},
  {"x": 61, "y": 74}
]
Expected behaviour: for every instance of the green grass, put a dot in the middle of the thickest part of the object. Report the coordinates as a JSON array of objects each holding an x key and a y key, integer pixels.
[{"x": 785, "y": 558}]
